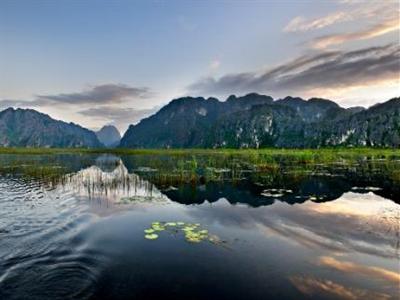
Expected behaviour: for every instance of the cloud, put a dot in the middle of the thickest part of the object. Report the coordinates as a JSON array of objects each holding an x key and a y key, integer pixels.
[
  {"x": 374, "y": 31},
  {"x": 100, "y": 94},
  {"x": 302, "y": 24},
  {"x": 330, "y": 69},
  {"x": 100, "y": 103},
  {"x": 119, "y": 116},
  {"x": 349, "y": 11},
  {"x": 105, "y": 94}
]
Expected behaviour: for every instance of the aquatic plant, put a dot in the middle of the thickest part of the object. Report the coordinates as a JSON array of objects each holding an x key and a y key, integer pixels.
[
  {"x": 163, "y": 168},
  {"x": 193, "y": 232},
  {"x": 151, "y": 236}
]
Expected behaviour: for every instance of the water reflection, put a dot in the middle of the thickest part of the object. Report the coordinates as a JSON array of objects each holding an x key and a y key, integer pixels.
[
  {"x": 314, "y": 287},
  {"x": 359, "y": 270},
  {"x": 108, "y": 178},
  {"x": 362, "y": 223},
  {"x": 109, "y": 182},
  {"x": 322, "y": 236}
]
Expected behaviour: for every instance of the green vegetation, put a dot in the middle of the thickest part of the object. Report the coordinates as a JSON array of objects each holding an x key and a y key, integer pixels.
[
  {"x": 171, "y": 167},
  {"x": 301, "y": 154},
  {"x": 193, "y": 232}
]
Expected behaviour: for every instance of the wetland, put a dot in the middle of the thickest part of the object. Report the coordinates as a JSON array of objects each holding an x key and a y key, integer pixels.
[{"x": 196, "y": 224}]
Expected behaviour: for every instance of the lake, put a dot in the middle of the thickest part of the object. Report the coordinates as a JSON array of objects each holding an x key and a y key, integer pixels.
[{"x": 101, "y": 226}]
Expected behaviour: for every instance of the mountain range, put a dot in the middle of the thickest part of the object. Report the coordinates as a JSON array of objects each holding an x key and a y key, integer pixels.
[
  {"x": 254, "y": 121},
  {"x": 29, "y": 128},
  {"x": 250, "y": 121}
]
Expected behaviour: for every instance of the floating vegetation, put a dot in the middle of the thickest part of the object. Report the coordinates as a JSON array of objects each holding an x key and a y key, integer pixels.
[
  {"x": 193, "y": 232},
  {"x": 275, "y": 192},
  {"x": 218, "y": 170},
  {"x": 146, "y": 169},
  {"x": 367, "y": 188},
  {"x": 151, "y": 236},
  {"x": 142, "y": 199},
  {"x": 169, "y": 171},
  {"x": 372, "y": 188}
]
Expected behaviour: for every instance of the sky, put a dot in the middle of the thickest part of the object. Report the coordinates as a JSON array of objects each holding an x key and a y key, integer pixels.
[{"x": 116, "y": 62}]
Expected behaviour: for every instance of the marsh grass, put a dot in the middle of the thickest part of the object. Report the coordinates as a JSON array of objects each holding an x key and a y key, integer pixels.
[
  {"x": 305, "y": 155},
  {"x": 197, "y": 166}
]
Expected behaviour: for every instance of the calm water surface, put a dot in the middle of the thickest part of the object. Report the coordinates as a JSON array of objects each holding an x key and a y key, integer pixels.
[{"x": 328, "y": 235}]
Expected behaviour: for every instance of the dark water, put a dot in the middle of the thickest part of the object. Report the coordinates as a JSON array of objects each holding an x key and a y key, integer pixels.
[{"x": 326, "y": 235}]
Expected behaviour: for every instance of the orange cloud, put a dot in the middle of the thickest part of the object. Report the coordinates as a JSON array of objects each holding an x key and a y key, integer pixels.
[{"x": 374, "y": 31}]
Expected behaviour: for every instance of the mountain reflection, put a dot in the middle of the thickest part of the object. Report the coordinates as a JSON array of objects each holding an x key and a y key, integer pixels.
[
  {"x": 329, "y": 216},
  {"x": 109, "y": 178}
]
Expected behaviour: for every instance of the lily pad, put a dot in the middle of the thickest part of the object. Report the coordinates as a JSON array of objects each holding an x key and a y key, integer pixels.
[
  {"x": 170, "y": 224},
  {"x": 158, "y": 227},
  {"x": 193, "y": 232},
  {"x": 193, "y": 240},
  {"x": 151, "y": 236}
]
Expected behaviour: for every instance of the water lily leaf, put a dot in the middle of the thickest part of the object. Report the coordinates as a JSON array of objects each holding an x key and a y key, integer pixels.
[
  {"x": 152, "y": 236},
  {"x": 193, "y": 240},
  {"x": 192, "y": 234},
  {"x": 187, "y": 228},
  {"x": 158, "y": 228},
  {"x": 192, "y": 231}
]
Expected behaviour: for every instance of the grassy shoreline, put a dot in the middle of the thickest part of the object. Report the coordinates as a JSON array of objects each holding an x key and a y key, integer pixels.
[
  {"x": 173, "y": 166},
  {"x": 264, "y": 151}
]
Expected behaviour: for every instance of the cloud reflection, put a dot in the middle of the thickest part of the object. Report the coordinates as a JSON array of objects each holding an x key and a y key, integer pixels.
[
  {"x": 365, "y": 223},
  {"x": 350, "y": 267},
  {"x": 320, "y": 287}
]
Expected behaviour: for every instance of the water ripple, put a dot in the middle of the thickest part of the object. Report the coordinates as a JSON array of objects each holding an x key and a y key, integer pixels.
[{"x": 41, "y": 255}]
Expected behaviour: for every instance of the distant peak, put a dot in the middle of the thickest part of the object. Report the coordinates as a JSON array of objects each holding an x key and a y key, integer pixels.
[
  {"x": 231, "y": 98},
  {"x": 250, "y": 96},
  {"x": 8, "y": 109},
  {"x": 290, "y": 98},
  {"x": 108, "y": 126},
  {"x": 322, "y": 100},
  {"x": 186, "y": 99},
  {"x": 109, "y": 135},
  {"x": 253, "y": 95}
]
